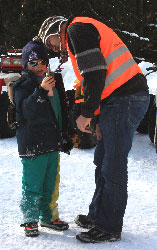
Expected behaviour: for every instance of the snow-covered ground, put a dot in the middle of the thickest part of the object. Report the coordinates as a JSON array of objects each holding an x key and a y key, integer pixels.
[{"x": 76, "y": 190}]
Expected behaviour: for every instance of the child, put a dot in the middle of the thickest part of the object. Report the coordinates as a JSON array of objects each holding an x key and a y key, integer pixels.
[{"x": 38, "y": 114}]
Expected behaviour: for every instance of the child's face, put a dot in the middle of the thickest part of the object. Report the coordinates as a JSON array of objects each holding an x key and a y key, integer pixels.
[{"x": 38, "y": 67}]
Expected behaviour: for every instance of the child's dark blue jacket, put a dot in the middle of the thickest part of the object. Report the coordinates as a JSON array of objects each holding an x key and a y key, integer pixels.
[{"x": 38, "y": 131}]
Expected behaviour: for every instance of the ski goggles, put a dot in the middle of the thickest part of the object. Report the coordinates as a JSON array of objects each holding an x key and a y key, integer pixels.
[{"x": 36, "y": 63}]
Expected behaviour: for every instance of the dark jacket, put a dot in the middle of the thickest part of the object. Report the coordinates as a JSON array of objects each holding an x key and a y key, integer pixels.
[{"x": 38, "y": 131}]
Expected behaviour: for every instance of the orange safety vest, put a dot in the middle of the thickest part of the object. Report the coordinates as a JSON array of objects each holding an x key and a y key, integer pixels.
[{"x": 120, "y": 64}]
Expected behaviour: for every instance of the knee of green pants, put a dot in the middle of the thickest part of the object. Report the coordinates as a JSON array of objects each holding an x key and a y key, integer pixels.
[{"x": 34, "y": 173}]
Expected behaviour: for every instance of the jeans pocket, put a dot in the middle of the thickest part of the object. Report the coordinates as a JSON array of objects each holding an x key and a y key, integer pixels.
[{"x": 136, "y": 112}]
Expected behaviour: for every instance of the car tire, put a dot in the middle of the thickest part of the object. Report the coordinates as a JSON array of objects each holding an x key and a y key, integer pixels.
[
  {"x": 143, "y": 127},
  {"x": 152, "y": 123}
]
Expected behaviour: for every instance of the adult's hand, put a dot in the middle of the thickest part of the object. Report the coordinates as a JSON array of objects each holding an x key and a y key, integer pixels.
[{"x": 82, "y": 123}]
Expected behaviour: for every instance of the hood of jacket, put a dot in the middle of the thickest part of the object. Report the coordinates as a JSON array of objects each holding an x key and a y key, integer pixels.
[{"x": 22, "y": 81}]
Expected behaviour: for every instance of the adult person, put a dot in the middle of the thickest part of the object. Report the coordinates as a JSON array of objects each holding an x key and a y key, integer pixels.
[{"x": 115, "y": 90}]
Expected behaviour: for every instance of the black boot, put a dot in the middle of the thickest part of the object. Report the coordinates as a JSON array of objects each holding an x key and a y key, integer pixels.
[
  {"x": 31, "y": 229},
  {"x": 83, "y": 221},
  {"x": 95, "y": 235}
]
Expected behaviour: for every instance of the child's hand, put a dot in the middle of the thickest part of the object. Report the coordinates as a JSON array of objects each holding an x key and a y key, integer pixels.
[{"x": 48, "y": 83}]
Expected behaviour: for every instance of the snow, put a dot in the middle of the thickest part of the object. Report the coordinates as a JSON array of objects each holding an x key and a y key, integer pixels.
[
  {"x": 152, "y": 25},
  {"x": 151, "y": 78},
  {"x": 9, "y": 76},
  {"x": 76, "y": 190},
  {"x": 135, "y": 35},
  {"x": 67, "y": 72}
]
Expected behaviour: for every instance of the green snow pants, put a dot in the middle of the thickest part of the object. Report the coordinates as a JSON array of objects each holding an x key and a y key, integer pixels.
[{"x": 40, "y": 178}]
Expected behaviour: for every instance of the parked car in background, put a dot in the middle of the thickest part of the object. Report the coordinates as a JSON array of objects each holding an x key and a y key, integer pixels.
[
  {"x": 10, "y": 69},
  {"x": 11, "y": 61}
]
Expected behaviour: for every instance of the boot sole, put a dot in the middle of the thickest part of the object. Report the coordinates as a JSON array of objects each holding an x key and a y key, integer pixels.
[
  {"x": 56, "y": 228},
  {"x": 31, "y": 234},
  {"x": 88, "y": 240}
]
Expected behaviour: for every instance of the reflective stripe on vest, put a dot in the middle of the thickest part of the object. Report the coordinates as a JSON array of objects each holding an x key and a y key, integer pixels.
[
  {"x": 116, "y": 53},
  {"x": 117, "y": 72}
]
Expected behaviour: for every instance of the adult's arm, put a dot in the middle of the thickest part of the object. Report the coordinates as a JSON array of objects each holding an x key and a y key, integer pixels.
[{"x": 84, "y": 43}]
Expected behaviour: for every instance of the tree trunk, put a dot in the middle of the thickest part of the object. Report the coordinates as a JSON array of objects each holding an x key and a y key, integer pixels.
[{"x": 140, "y": 7}]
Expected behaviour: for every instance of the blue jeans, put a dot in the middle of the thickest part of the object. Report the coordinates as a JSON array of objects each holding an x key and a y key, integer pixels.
[{"x": 118, "y": 121}]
